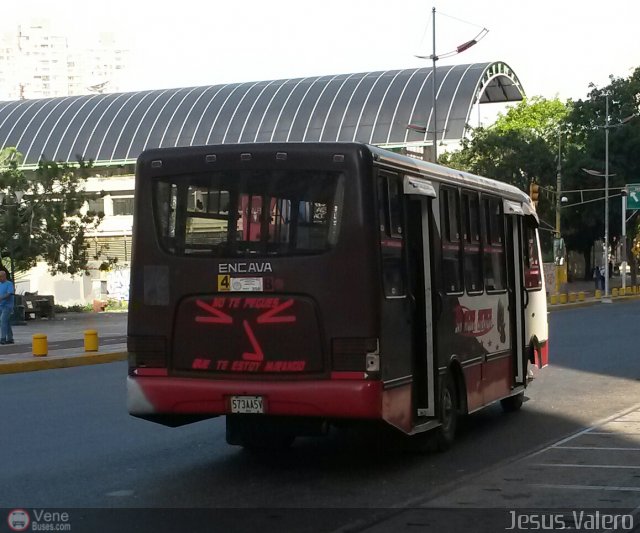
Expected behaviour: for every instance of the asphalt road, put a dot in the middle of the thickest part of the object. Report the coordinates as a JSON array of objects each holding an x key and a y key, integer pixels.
[{"x": 66, "y": 440}]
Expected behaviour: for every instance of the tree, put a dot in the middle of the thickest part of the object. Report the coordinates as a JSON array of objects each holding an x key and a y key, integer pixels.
[
  {"x": 520, "y": 147},
  {"x": 41, "y": 217},
  {"x": 586, "y": 120}
]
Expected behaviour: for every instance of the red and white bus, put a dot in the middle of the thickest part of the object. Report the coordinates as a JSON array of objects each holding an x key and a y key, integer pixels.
[{"x": 292, "y": 286}]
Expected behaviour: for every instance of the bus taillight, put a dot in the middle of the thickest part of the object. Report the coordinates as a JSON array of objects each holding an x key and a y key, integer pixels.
[
  {"x": 147, "y": 351},
  {"x": 355, "y": 354}
]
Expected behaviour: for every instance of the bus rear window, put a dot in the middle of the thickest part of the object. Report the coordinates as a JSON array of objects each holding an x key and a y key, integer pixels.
[{"x": 228, "y": 214}]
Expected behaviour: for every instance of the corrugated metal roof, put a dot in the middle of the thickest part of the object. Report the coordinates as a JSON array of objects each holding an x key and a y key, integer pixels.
[{"x": 371, "y": 107}]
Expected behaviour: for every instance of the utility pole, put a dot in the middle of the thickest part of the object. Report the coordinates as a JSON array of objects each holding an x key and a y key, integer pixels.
[
  {"x": 434, "y": 103},
  {"x": 606, "y": 200},
  {"x": 623, "y": 264},
  {"x": 434, "y": 95},
  {"x": 558, "y": 200}
]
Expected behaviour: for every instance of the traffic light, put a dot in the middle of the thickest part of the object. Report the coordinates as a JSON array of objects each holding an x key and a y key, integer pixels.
[{"x": 534, "y": 193}]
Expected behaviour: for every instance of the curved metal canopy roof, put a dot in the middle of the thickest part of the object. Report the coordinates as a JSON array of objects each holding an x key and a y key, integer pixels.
[{"x": 371, "y": 107}]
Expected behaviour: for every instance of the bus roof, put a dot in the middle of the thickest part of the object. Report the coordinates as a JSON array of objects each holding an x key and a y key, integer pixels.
[
  {"x": 441, "y": 173},
  {"x": 382, "y": 156}
]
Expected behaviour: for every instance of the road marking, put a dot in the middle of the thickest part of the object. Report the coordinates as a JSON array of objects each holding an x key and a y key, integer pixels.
[
  {"x": 120, "y": 493},
  {"x": 626, "y": 467},
  {"x": 607, "y": 488},
  {"x": 595, "y": 448}
]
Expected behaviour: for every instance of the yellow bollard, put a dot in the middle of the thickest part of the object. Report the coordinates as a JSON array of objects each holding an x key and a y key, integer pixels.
[
  {"x": 563, "y": 298},
  {"x": 90, "y": 340},
  {"x": 598, "y": 293},
  {"x": 581, "y": 296},
  {"x": 553, "y": 299},
  {"x": 39, "y": 345},
  {"x": 573, "y": 297},
  {"x": 629, "y": 291},
  {"x": 614, "y": 293}
]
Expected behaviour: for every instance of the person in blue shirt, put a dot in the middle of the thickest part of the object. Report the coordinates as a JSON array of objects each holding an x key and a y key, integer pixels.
[{"x": 6, "y": 309}]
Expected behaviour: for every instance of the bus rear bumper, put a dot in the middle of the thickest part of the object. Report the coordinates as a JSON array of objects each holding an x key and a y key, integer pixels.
[{"x": 354, "y": 399}]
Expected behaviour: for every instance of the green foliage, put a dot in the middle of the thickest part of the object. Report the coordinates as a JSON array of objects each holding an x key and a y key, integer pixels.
[
  {"x": 116, "y": 305},
  {"x": 47, "y": 222},
  {"x": 584, "y": 223},
  {"x": 72, "y": 308},
  {"x": 523, "y": 145},
  {"x": 520, "y": 147}
]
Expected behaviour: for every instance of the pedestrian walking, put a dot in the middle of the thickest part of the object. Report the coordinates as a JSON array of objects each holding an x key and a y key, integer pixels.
[{"x": 6, "y": 309}]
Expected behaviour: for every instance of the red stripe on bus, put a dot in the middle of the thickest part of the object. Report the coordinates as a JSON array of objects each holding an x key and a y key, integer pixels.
[
  {"x": 541, "y": 354},
  {"x": 151, "y": 372},
  {"x": 324, "y": 398},
  {"x": 347, "y": 375}
]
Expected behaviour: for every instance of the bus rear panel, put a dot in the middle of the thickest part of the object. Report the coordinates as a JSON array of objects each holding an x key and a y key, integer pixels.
[{"x": 244, "y": 263}]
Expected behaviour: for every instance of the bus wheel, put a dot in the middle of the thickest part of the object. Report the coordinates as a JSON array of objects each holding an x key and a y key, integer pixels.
[
  {"x": 448, "y": 411},
  {"x": 512, "y": 403}
]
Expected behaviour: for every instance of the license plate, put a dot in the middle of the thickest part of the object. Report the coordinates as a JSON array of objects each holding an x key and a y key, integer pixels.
[{"x": 247, "y": 404}]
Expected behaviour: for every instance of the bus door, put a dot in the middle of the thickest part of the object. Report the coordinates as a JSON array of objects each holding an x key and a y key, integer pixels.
[
  {"x": 517, "y": 295},
  {"x": 419, "y": 194}
]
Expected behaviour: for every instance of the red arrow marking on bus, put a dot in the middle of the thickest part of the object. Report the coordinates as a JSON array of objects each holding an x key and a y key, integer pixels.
[
  {"x": 257, "y": 354},
  {"x": 268, "y": 318},
  {"x": 218, "y": 316}
]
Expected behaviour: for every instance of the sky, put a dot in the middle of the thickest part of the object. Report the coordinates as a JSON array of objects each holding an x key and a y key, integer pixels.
[{"x": 556, "y": 48}]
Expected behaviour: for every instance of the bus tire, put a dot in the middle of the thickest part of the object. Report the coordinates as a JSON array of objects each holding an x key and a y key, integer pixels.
[
  {"x": 512, "y": 403},
  {"x": 448, "y": 415}
]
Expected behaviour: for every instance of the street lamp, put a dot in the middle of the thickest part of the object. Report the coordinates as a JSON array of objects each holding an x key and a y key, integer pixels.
[
  {"x": 434, "y": 58},
  {"x": 606, "y": 175}
]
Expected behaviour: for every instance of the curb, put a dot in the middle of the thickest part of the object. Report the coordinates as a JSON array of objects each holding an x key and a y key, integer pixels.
[
  {"x": 60, "y": 361},
  {"x": 590, "y": 302}
]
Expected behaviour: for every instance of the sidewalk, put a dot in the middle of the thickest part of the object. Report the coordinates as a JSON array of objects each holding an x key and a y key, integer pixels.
[
  {"x": 65, "y": 339},
  {"x": 588, "y": 288}
]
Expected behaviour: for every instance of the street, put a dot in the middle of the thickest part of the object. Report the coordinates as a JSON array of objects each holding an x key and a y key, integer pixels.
[{"x": 68, "y": 442}]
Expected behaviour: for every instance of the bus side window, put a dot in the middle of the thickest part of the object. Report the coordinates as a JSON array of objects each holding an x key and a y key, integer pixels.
[
  {"x": 451, "y": 257},
  {"x": 493, "y": 244},
  {"x": 471, "y": 242},
  {"x": 532, "y": 273},
  {"x": 391, "y": 235}
]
